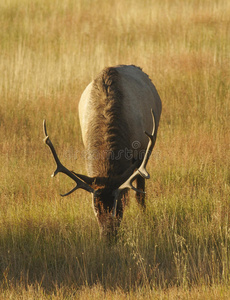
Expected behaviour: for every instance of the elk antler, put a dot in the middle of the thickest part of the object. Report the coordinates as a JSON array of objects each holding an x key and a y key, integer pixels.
[
  {"x": 141, "y": 170},
  {"x": 61, "y": 169}
]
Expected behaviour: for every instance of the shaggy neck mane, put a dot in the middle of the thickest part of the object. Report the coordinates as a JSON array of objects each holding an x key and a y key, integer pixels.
[{"x": 109, "y": 132}]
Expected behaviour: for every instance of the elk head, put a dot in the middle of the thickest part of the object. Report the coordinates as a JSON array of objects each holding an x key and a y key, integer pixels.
[{"x": 108, "y": 193}]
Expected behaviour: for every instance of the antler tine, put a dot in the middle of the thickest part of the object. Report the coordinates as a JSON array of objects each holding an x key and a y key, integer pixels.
[
  {"x": 128, "y": 183},
  {"x": 152, "y": 140},
  {"x": 48, "y": 142},
  {"x": 61, "y": 169},
  {"x": 70, "y": 192},
  {"x": 44, "y": 129}
]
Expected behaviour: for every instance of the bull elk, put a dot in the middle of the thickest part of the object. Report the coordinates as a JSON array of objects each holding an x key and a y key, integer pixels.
[{"x": 117, "y": 112}]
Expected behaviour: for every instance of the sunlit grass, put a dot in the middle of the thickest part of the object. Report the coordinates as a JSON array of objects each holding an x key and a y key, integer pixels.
[{"x": 50, "y": 51}]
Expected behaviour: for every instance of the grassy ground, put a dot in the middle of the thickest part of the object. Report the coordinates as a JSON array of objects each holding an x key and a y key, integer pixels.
[{"x": 49, "y": 246}]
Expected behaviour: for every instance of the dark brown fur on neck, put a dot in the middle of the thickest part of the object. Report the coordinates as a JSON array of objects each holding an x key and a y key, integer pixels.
[{"x": 109, "y": 132}]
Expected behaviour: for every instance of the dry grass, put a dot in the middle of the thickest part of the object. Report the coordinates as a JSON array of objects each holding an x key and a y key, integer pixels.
[{"x": 49, "y": 246}]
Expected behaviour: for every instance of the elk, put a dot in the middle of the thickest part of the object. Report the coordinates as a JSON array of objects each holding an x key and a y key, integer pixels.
[{"x": 119, "y": 114}]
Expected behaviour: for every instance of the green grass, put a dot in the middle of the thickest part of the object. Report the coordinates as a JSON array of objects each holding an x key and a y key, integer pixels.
[{"x": 50, "y": 246}]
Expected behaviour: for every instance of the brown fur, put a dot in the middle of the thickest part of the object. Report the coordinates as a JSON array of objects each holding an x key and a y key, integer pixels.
[{"x": 109, "y": 132}]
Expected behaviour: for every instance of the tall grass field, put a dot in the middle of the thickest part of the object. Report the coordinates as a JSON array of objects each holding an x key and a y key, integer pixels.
[{"x": 50, "y": 246}]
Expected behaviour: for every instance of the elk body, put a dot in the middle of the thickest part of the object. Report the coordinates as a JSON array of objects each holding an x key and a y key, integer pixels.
[{"x": 119, "y": 115}]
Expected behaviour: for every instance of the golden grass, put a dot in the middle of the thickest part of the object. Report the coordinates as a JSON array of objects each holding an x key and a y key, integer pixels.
[
  {"x": 49, "y": 246},
  {"x": 97, "y": 293}
]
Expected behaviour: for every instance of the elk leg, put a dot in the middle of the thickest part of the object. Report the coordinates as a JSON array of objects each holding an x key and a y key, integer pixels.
[{"x": 140, "y": 186}]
